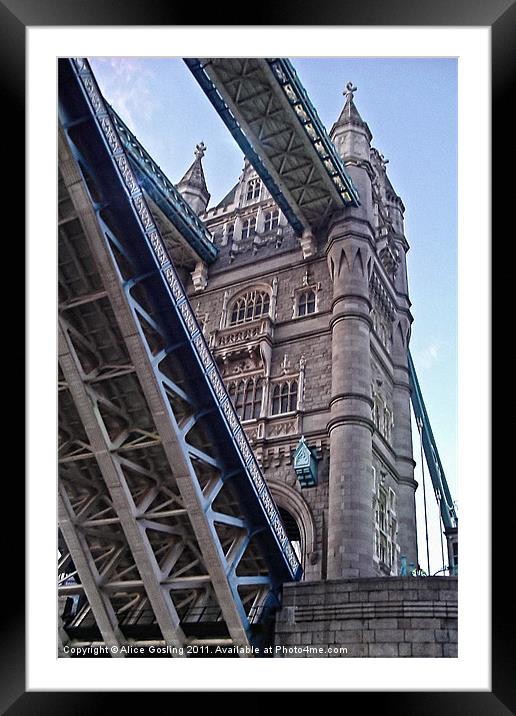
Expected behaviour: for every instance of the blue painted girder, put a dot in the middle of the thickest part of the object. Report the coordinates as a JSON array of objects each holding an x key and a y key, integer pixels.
[
  {"x": 164, "y": 193},
  {"x": 268, "y": 111},
  {"x": 100, "y": 153}
]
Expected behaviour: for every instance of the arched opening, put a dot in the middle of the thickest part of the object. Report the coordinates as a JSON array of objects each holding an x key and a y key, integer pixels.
[
  {"x": 299, "y": 524},
  {"x": 292, "y": 506},
  {"x": 293, "y": 533}
]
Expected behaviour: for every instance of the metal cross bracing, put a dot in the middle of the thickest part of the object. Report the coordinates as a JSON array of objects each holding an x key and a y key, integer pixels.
[
  {"x": 168, "y": 532},
  {"x": 164, "y": 194},
  {"x": 269, "y": 113}
]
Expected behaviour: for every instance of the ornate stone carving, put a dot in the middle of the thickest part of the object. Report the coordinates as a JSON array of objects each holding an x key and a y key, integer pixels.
[
  {"x": 235, "y": 364},
  {"x": 383, "y": 311},
  {"x": 200, "y": 276},
  {"x": 249, "y": 343},
  {"x": 308, "y": 244},
  {"x": 283, "y": 427},
  {"x": 390, "y": 258},
  {"x": 255, "y": 432}
]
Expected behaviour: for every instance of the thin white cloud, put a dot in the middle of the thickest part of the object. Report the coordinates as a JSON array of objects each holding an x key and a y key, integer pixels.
[
  {"x": 428, "y": 356},
  {"x": 124, "y": 82}
]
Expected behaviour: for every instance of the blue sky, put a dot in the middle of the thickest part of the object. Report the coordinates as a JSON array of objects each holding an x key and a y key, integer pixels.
[{"x": 410, "y": 105}]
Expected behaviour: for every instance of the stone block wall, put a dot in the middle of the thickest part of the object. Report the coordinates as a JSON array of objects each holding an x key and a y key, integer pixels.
[{"x": 371, "y": 617}]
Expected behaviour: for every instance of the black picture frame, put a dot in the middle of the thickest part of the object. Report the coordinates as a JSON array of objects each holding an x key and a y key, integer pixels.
[{"x": 500, "y": 16}]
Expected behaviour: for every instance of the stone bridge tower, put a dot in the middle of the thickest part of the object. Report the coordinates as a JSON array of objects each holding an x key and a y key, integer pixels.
[
  {"x": 309, "y": 328},
  {"x": 370, "y": 435},
  {"x": 311, "y": 337}
]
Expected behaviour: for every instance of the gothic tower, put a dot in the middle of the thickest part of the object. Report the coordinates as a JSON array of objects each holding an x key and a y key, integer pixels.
[
  {"x": 311, "y": 336},
  {"x": 169, "y": 533}
]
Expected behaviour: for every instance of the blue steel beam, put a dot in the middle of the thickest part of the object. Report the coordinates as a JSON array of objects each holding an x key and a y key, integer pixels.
[
  {"x": 197, "y": 69},
  {"x": 316, "y": 179},
  {"x": 165, "y": 194},
  {"x": 100, "y": 155},
  {"x": 307, "y": 116}
]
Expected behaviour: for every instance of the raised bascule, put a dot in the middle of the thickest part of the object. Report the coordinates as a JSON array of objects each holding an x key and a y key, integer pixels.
[{"x": 235, "y": 450}]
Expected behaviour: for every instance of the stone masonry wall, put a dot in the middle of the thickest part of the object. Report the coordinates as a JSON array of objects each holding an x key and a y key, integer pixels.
[{"x": 372, "y": 617}]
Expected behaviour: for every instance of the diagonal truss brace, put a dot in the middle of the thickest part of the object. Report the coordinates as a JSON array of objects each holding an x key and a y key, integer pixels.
[
  {"x": 129, "y": 313},
  {"x": 101, "y": 607},
  {"x": 137, "y": 539},
  {"x": 146, "y": 235},
  {"x": 173, "y": 440}
]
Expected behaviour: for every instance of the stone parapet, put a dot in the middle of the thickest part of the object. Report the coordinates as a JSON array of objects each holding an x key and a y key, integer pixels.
[{"x": 371, "y": 617}]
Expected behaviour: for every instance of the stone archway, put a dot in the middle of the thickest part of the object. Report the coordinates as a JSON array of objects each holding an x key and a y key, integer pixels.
[{"x": 297, "y": 508}]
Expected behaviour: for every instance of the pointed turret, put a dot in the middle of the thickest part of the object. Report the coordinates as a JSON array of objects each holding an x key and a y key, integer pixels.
[
  {"x": 352, "y": 139},
  {"x": 193, "y": 185},
  {"x": 350, "y": 133}
]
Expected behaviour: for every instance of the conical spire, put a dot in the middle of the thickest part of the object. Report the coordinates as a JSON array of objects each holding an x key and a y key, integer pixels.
[
  {"x": 351, "y": 123},
  {"x": 350, "y": 114},
  {"x": 193, "y": 185}
]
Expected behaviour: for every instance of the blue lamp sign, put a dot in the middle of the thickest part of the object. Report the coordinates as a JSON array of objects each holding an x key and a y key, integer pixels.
[{"x": 305, "y": 464}]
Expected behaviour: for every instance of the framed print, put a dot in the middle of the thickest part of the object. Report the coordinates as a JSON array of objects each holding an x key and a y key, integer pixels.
[{"x": 224, "y": 547}]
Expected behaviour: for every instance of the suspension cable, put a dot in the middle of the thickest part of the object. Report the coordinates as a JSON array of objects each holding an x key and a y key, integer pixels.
[{"x": 420, "y": 429}]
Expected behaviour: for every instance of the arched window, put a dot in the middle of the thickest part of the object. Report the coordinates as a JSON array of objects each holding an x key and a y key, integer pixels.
[
  {"x": 246, "y": 395},
  {"x": 386, "y": 527},
  {"x": 381, "y": 510},
  {"x": 253, "y": 189},
  {"x": 306, "y": 303},
  {"x": 284, "y": 397},
  {"x": 230, "y": 230},
  {"x": 249, "y": 227},
  {"x": 251, "y": 305},
  {"x": 271, "y": 220}
]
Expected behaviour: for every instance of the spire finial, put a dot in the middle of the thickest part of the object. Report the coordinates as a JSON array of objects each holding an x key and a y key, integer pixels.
[
  {"x": 350, "y": 89},
  {"x": 200, "y": 150}
]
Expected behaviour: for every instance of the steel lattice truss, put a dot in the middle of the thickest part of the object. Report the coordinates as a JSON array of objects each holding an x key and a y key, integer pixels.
[
  {"x": 271, "y": 117},
  {"x": 168, "y": 533},
  {"x": 164, "y": 194}
]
